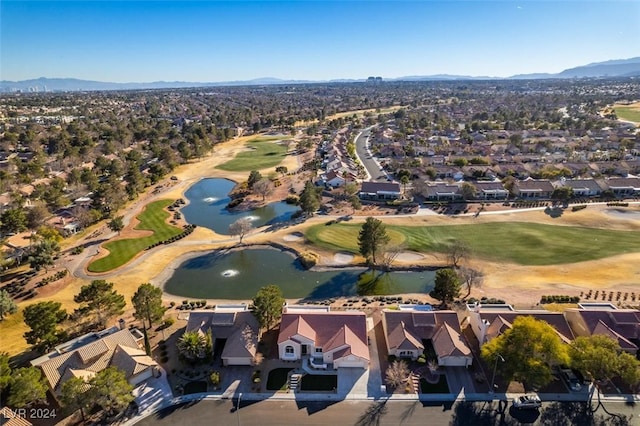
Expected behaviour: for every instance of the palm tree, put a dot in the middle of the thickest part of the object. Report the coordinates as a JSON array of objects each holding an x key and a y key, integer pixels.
[{"x": 191, "y": 345}]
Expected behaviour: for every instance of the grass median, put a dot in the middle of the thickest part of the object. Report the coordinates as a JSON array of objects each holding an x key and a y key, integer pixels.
[
  {"x": 515, "y": 242},
  {"x": 263, "y": 153},
  {"x": 154, "y": 219}
]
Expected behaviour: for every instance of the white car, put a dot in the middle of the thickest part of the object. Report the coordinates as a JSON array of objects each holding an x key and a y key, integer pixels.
[{"x": 527, "y": 401}]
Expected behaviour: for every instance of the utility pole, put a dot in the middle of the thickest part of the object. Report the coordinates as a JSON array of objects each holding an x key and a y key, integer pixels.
[{"x": 495, "y": 367}]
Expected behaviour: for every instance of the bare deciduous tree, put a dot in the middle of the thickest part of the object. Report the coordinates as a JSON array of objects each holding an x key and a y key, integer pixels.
[
  {"x": 397, "y": 373},
  {"x": 470, "y": 278},
  {"x": 240, "y": 227},
  {"x": 457, "y": 251},
  {"x": 389, "y": 253},
  {"x": 263, "y": 187}
]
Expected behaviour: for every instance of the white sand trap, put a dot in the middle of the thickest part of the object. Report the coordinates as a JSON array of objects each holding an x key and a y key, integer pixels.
[
  {"x": 409, "y": 256},
  {"x": 623, "y": 214},
  {"x": 296, "y": 236},
  {"x": 343, "y": 258}
]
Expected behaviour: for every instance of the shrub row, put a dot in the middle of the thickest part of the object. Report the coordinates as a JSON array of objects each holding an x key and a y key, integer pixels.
[
  {"x": 577, "y": 208},
  {"x": 529, "y": 204},
  {"x": 559, "y": 299},
  {"x": 617, "y": 204},
  {"x": 55, "y": 277},
  {"x": 192, "y": 304},
  {"x": 486, "y": 301},
  {"x": 188, "y": 229}
]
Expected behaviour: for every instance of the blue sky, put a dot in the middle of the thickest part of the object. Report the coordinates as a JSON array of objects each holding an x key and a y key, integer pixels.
[{"x": 200, "y": 41}]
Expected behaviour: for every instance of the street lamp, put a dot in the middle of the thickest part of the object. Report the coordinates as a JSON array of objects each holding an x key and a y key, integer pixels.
[
  {"x": 238, "y": 407},
  {"x": 495, "y": 367}
]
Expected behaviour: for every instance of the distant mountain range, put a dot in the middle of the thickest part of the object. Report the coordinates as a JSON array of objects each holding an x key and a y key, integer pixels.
[{"x": 614, "y": 68}]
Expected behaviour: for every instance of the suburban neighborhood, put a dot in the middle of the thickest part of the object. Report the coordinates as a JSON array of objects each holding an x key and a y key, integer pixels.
[{"x": 379, "y": 245}]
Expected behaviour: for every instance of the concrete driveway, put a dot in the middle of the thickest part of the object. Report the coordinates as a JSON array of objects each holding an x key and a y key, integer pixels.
[{"x": 460, "y": 381}]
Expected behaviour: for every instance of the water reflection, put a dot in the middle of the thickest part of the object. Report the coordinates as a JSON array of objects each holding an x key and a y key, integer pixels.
[
  {"x": 208, "y": 199},
  {"x": 208, "y": 277}
]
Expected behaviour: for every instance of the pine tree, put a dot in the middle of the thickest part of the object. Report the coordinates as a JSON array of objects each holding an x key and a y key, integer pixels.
[{"x": 372, "y": 238}]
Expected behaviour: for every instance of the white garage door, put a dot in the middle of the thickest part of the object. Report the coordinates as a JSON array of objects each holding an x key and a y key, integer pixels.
[
  {"x": 237, "y": 361},
  {"x": 350, "y": 361}
]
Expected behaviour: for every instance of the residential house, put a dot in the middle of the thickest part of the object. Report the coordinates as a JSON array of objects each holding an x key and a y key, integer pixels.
[
  {"x": 334, "y": 180},
  {"x": 490, "y": 321},
  {"x": 414, "y": 328},
  {"x": 491, "y": 190},
  {"x": 442, "y": 191},
  {"x": 234, "y": 332},
  {"x": 623, "y": 187},
  {"x": 436, "y": 160},
  {"x": 8, "y": 417},
  {"x": 89, "y": 354},
  {"x": 323, "y": 339},
  {"x": 622, "y": 325},
  {"x": 380, "y": 191},
  {"x": 583, "y": 187},
  {"x": 533, "y": 189}
]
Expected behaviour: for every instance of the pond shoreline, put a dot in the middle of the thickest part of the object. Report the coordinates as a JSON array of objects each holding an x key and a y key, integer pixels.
[{"x": 167, "y": 273}]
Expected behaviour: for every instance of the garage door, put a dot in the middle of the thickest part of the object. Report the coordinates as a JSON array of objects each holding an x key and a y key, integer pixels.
[
  {"x": 236, "y": 361},
  {"x": 350, "y": 361}
]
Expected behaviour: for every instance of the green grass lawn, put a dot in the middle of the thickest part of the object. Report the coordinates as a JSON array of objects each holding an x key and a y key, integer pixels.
[
  {"x": 121, "y": 251},
  {"x": 516, "y": 242},
  {"x": 312, "y": 382},
  {"x": 264, "y": 153},
  {"x": 277, "y": 379},
  {"x": 441, "y": 387},
  {"x": 628, "y": 113}
]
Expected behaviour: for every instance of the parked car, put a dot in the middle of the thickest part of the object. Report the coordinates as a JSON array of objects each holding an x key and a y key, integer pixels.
[
  {"x": 529, "y": 401},
  {"x": 570, "y": 379}
]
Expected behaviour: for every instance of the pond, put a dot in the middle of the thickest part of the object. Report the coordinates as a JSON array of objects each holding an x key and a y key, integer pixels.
[
  {"x": 209, "y": 197},
  {"x": 238, "y": 275}
]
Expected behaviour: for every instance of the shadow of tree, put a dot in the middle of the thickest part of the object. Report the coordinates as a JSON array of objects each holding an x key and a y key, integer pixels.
[
  {"x": 484, "y": 414},
  {"x": 338, "y": 286},
  {"x": 578, "y": 413},
  {"x": 408, "y": 412},
  {"x": 373, "y": 414}
]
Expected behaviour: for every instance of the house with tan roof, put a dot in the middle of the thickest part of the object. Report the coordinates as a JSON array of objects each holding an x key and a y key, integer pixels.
[
  {"x": 491, "y": 320},
  {"x": 622, "y": 325},
  {"x": 234, "y": 332},
  {"x": 87, "y": 355},
  {"x": 8, "y": 417},
  {"x": 414, "y": 328},
  {"x": 322, "y": 338}
]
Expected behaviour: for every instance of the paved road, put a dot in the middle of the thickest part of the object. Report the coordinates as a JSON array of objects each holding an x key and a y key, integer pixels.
[
  {"x": 365, "y": 413},
  {"x": 371, "y": 165}
]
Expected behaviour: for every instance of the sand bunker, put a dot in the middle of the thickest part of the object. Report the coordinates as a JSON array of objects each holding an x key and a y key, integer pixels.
[
  {"x": 343, "y": 258},
  {"x": 295, "y": 236},
  {"x": 409, "y": 256},
  {"x": 623, "y": 214}
]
